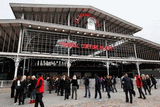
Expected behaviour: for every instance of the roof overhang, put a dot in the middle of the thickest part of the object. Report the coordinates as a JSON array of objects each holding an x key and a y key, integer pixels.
[
  {"x": 74, "y": 30},
  {"x": 24, "y": 7}
]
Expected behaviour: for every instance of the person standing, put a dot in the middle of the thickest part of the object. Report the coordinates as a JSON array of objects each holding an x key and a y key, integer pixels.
[
  {"x": 33, "y": 94},
  {"x": 74, "y": 86},
  {"x": 23, "y": 88},
  {"x": 97, "y": 87},
  {"x": 18, "y": 91},
  {"x": 139, "y": 86},
  {"x": 67, "y": 88},
  {"x": 128, "y": 86},
  {"x": 13, "y": 87},
  {"x": 108, "y": 83},
  {"x": 39, "y": 90},
  {"x": 62, "y": 83},
  {"x": 86, "y": 83}
]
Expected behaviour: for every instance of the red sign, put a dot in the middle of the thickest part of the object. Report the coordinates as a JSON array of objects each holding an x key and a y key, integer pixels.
[
  {"x": 86, "y": 46},
  {"x": 88, "y": 15}
]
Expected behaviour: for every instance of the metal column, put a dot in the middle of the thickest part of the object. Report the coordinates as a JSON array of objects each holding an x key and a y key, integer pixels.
[
  {"x": 107, "y": 67},
  {"x": 137, "y": 64},
  {"x": 107, "y": 63},
  {"x": 68, "y": 66},
  {"x": 18, "y": 51},
  {"x": 69, "y": 19},
  {"x": 17, "y": 60}
]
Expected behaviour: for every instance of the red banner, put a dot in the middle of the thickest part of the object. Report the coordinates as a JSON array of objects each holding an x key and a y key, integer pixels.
[
  {"x": 86, "y": 46},
  {"x": 88, "y": 15}
]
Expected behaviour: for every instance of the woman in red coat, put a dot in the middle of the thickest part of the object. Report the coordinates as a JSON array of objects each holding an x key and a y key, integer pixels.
[{"x": 139, "y": 86}]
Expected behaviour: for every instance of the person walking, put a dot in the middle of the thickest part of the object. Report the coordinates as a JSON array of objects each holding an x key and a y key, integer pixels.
[
  {"x": 154, "y": 82},
  {"x": 39, "y": 90},
  {"x": 114, "y": 83},
  {"x": 74, "y": 86},
  {"x": 97, "y": 87},
  {"x": 144, "y": 82},
  {"x": 148, "y": 83},
  {"x": 86, "y": 83},
  {"x": 128, "y": 86},
  {"x": 13, "y": 87},
  {"x": 139, "y": 86}
]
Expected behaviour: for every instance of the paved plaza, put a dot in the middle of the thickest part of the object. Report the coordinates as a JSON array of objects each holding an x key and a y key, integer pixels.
[{"x": 116, "y": 100}]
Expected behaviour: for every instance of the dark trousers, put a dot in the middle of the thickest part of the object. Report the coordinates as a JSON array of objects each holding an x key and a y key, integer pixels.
[
  {"x": 97, "y": 89},
  {"x": 102, "y": 86},
  {"x": 62, "y": 89},
  {"x": 39, "y": 100},
  {"x": 146, "y": 88},
  {"x": 23, "y": 97},
  {"x": 18, "y": 93},
  {"x": 87, "y": 89},
  {"x": 130, "y": 93},
  {"x": 114, "y": 87},
  {"x": 67, "y": 93},
  {"x": 12, "y": 92},
  {"x": 141, "y": 92},
  {"x": 154, "y": 85},
  {"x": 108, "y": 91}
]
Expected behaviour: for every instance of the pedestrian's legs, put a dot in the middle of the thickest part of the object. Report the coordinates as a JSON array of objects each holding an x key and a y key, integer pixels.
[
  {"x": 36, "y": 103},
  {"x": 75, "y": 92},
  {"x": 95, "y": 92},
  {"x": 108, "y": 91},
  {"x": 89, "y": 91},
  {"x": 114, "y": 87},
  {"x": 130, "y": 93},
  {"x": 100, "y": 96},
  {"x": 40, "y": 100},
  {"x": 126, "y": 92},
  {"x": 141, "y": 92},
  {"x": 85, "y": 90},
  {"x": 144, "y": 87},
  {"x": 155, "y": 86}
]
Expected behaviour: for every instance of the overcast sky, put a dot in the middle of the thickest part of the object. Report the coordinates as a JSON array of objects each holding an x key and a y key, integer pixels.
[{"x": 144, "y": 13}]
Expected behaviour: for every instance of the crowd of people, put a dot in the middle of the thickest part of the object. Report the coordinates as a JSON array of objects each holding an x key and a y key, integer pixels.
[{"x": 33, "y": 88}]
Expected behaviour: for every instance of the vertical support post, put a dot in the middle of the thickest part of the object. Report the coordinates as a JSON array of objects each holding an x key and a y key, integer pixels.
[
  {"x": 107, "y": 67},
  {"x": 18, "y": 51},
  {"x": 69, "y": 19},
  {"x": 17, "y": 60},
  {"x": 107, "y": 63},
  {"x": 137, "y": 64},
  {"x": 135, "y": 50},
  {"x": 22, "y": 17},
  {"x": 104, "y": 22},
  {"x": 24, "y": 65},
  {"x": 68, "y": 66}
]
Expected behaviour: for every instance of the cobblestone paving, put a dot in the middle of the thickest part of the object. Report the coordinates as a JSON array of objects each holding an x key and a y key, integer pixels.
[{"x": 116, "y": 100}]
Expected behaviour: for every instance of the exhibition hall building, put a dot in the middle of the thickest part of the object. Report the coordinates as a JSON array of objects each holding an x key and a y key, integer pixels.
[{"x": 72, "y": 39}]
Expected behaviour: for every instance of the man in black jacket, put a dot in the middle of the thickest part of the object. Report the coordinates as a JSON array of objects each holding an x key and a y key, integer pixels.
[
  {"x": 128, "y": 86},
  {"x": 86, "y": 83}
]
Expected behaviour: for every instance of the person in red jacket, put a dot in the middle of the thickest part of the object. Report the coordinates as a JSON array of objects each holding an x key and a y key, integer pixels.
[
  {"x": 39, "y": 90},
  {"x": 139, "y": 86}
]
